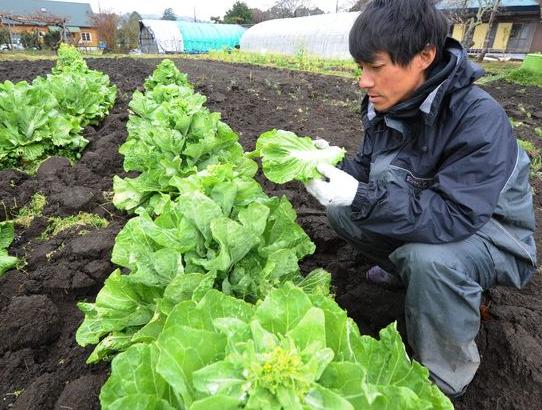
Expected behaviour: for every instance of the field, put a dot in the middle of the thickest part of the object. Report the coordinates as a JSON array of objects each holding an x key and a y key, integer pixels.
[{"x": 42, "y": 367}]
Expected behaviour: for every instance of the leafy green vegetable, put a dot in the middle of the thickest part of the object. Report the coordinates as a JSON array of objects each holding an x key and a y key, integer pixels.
[
  {"x": 46, "y": 118},
  {"x": 171, "y": 136},
  {"x": 166, "y": 73},
  {"x": 286, "y": 157},
  {"x": 292, "y": 351},
  {"x": 6, "y": 237},
  {"x": 31, "y": 124},
  {"x": 234, "y": 238}
]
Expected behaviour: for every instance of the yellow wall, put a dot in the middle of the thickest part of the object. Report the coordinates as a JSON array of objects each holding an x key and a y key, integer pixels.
[
  {"x": 94, "y": 39},
  {"x": 459, "y": 30},
  {"x": 502, "y": 35},
  {"x": 479, "y": 35}
]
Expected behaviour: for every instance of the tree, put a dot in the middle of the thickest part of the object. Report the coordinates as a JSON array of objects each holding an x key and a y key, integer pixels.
[
  {"x": 238, "y": 14},
  {"x": 306, "y": 11},
  {"x": 52, "y": 39},
  {"x": 359, "y": 5},
  {"x": 257, "y": 15},
  {"x": 5, "y": 38},
  {"x": 216, "y": 19},
  {"x": 169, "y": 14},
  {"x": 492, "y": 16},
  {"x": 287, "y": 8},
  {"x": 460, "y": 12},
  {"x": 128, "y": 35},
  {"x": 30, "y": 39},
  {"x": 106, "y": 24}
]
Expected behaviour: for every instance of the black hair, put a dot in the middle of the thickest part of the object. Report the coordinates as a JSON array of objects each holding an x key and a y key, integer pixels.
[{"x": 402, "y": 28}]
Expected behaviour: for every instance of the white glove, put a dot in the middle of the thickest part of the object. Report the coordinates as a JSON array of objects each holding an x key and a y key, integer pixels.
[
  {"x": 339, "y": 191},
  {"x": 321, "y": 143}
]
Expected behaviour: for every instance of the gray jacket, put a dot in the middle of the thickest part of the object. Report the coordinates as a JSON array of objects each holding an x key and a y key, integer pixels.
[{"x": 445, "y": 165}]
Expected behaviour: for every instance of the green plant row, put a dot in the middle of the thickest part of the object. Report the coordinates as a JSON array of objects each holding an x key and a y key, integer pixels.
[
  {"x": 47, "y": 116},
  {"x": 210, "y": 309},
  {"x": 301, "y": 61}
]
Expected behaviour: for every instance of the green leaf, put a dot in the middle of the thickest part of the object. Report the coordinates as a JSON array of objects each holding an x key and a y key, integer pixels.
[
  {"x": 220, "y": 378},
  {"x": 283, "y": 309},
  {"x": 216, "y": 402},
  {"x": 7, "y": 233},
  {"x": 134, "y": 373},
  {"x": 320, "y": 398},
  {"x": 184, "y": 350},
  {"x": 6, "y": 262},
  {"x": 120, "y": 304},
  {"x": 138, "y": 402}
]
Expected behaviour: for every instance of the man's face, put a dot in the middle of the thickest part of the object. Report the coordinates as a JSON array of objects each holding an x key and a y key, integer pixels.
[{"x": 387, "y": 83}]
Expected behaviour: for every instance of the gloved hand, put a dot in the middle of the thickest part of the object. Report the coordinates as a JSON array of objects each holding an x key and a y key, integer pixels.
[
  {"x": 321, "y": 143},
  {"x": 339, "y": 191}
]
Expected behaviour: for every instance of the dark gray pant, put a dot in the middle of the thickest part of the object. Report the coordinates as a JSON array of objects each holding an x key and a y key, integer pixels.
[{"x": 444, "y": 284}]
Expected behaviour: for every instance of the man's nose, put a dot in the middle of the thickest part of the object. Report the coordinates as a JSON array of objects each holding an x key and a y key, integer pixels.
[{"x": 365, "y": 80}]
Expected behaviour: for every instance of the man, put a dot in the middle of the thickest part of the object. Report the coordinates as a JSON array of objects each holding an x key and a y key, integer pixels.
[{"x": 438, "y": 195}]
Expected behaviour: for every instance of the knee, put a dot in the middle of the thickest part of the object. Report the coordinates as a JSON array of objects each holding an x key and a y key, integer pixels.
[{"x": 422, "y": 260}]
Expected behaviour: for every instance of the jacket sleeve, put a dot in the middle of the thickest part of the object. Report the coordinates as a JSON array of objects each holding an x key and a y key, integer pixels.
[
  {"x": 358, "y": 166},
  {"x": 476, "y": 164}
]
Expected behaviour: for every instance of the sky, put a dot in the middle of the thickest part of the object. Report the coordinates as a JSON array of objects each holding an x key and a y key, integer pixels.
[{"x": 204, "y": 8}]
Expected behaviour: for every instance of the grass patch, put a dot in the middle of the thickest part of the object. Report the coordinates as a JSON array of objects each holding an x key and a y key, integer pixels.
[
  {"x": 529, "y": 148},
  {"x": 35, "y": 208},
  {"x": 300, "y": 62},
  {"x": 525, "y": 77},
  {"x": 58, "y": 224}
]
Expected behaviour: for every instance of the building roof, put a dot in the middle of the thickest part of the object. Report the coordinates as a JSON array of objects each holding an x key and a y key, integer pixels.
[
  {"x": 452, "y": 4},
  {"x": 77, "y": 14}
]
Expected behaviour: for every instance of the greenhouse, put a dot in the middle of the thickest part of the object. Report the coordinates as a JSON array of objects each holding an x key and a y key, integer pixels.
[
  {"x": 163, "y": 36},
  {"x": 324, "y": 35}
]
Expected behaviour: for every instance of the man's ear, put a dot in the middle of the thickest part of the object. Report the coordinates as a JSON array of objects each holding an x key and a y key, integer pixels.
[{"x": 426, "y": 57}]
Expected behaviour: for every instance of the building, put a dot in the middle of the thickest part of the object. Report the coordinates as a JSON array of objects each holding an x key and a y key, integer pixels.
[
  {"x": 517, "y": 28},
  {"x": 164, "y": 36},
  {"x": 516, "y": 31},
  {"x": 72, "y": 19}
]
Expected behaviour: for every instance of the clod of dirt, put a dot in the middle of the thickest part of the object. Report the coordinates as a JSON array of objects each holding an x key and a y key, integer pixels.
[
  {"x": 92, "y": 244},
  {"x": 38, "y": 395},
  {"x": 81, "y": 394},
  {"x": 28, "y": 321},
  {"x": 75, "y": 198},
  {"x": 53, "y": 166}
]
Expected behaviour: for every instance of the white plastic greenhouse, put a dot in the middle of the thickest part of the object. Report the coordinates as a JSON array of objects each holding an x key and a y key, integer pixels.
[{"x": 324, "y": 35}]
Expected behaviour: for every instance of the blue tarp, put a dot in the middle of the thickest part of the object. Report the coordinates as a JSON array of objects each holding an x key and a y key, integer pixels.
[{"x": 203, "y": 37}]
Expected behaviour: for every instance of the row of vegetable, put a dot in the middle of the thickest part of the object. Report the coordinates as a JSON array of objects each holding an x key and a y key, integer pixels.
[
  {"x": 209, "y": 309},
  {"x": 46, "y": 118}
]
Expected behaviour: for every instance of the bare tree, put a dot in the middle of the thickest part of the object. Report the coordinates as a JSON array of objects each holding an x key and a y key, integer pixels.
[
  {"x": 106, "y": 24},
  {"x": 128, "y": 32},
  {"x": 257, "y": 15},
  {"x": 492, "y": 16},
  {"x": 288, "y": 8},
  {"x": 460, "y": 12},
  {"x": 358, "y": 5}
]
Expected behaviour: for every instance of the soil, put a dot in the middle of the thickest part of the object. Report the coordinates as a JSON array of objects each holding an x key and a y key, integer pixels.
[{"x": 41, "y": 366}]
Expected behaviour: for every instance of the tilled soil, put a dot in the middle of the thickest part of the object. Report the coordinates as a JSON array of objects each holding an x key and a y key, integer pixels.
[{"x": 41, "y": 366}]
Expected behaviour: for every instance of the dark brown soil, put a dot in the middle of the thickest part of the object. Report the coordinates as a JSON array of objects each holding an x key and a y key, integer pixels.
[{"x": 41, "y": 366}]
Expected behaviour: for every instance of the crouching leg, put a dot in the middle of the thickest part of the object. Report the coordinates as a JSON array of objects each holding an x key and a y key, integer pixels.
[{"x": 444, "y": 288}]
